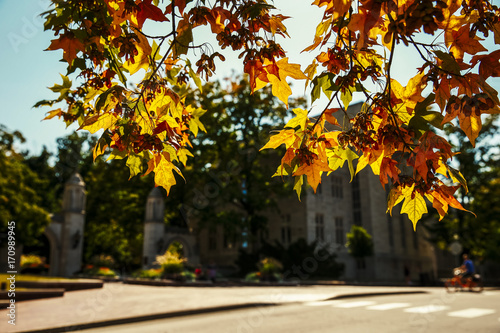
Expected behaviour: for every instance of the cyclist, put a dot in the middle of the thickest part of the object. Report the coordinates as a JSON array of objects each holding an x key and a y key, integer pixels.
[{"x": 467, "y": 269}]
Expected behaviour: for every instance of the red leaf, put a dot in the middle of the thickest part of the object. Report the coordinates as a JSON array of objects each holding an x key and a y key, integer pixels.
[{"x": 148, "y": 11}]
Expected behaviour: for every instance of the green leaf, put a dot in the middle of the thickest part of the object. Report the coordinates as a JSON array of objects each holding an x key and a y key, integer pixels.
[
  {"x": 346, "y": 97},
  {"x": 423, "y": 117},
  {"x": 449, "y": 63},
  {"x": 323, "y": 82},
  {"x": 337, "y": 157}
]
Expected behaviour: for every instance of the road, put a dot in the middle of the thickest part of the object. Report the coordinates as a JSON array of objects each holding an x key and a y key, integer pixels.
[{"x": 415, "y": 313}]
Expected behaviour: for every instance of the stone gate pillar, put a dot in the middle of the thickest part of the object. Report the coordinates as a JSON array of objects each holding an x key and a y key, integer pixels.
[{"x": 154, "y": 227}]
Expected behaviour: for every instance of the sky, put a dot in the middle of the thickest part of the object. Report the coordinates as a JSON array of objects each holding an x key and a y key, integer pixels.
[{"x": 27, "y": 70}]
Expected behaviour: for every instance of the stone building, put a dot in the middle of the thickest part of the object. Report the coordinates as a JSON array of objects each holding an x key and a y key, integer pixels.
[{"x": 328, "y": 215}]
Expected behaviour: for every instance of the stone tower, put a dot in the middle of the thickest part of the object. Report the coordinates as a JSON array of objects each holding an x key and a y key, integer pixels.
[
  {"x": 154, "y": 227},
  {"x": 68, "y": 231}
]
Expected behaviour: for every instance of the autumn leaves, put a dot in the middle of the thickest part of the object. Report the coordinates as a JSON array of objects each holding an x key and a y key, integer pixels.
[{"x": 150, "y": 122}]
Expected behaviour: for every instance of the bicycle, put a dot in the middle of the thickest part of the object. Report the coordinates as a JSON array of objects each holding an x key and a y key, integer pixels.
[{"x": 457, "y": 282}]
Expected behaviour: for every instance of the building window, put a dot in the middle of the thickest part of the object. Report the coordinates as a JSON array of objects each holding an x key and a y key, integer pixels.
[
  {"x": 403, "y": 231},
  {"x": 227, "y": 242},
  {"x": 212, "y": 240},
  {"x": 337, "y": 189},
  {"x": 320, "y": 228},
  {"x": 286, "y": 233},
  {"x": 356, "y": 201},
  {"x": 286, "y": 230},
  {"x": 339, "y": 230}
]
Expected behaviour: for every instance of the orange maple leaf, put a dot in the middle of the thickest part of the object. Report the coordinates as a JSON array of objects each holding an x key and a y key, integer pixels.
[
  {"x": 470, "y": 125},
  {"x": 313, "y": 172},
  {"x": 462, "y": 42},
  {"x": 489, "y": 64},
  {"x": 70, "y": 45}
]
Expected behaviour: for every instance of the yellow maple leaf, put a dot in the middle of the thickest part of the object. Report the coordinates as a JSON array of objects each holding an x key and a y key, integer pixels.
[
  {"x": 471, "y": 126},
  {"x": 287, "y": 137},
  {"x": 414, "y": 205},
  {"x": 280, "y": 87},
  {"x": 300, "y": 119},
  {"x": 141, "y": 60},
  {"x": 163, "y": 170},
  {"x": 97, "y": 122}
]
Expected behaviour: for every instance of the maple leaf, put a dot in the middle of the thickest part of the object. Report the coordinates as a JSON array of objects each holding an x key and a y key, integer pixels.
[
  {"x": 163, "y": 169},
  {"x": 280, "y": 87},
  {"x": 286, "y": 137},
  {"x": 462, "y": 42},
  {"x": 146, "y": 10},
  {"x": 54, "y": 113},
  {"x": 338, "y": 156},
  {"x": 489, "y": 64},
  {"x": 471, "y": 126},
  {"x": 300, "y": 119},
  {"x": 389, "y": 168},
  {"x": 297, "y": 186},
  {"x": 70, "y": 46},
  {"x": 141, "y": 60},
  {"x": 313, "y": 172},
  {"x": 414, "y": 205},
  {"x": 134, "y": 163},
  {"x": 194, "y": 122},
  {"x": 98, "y": 122}
]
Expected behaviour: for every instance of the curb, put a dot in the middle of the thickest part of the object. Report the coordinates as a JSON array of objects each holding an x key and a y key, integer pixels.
[
  {"x": 138, "y": 319},
  {"x": 130, "y": 320},
  {"x": 388, "y": 293}
]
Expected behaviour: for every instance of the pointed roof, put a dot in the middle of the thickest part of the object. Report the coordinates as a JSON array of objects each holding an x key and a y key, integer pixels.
[{"x": 76, "y": 179}]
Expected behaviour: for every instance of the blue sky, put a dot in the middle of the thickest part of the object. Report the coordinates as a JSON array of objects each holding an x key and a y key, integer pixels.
[{"x": 27, "y": 70}]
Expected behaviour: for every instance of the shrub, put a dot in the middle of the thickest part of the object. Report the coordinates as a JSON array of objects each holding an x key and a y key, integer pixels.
[
  {"x": 33, "y": 264},
  {"x": 92, "y": 270},
  {"x": 171, "y": 264},
  {"x": 149, "y": 274},
  {"x": 103, "y": 260}
]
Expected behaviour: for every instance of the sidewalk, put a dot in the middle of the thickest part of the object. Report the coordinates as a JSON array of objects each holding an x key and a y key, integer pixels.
[{"x": 118, "y": 303}]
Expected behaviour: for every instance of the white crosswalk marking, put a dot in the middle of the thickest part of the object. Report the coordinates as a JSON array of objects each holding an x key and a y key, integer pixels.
[
  {"x": 354, "y": 304},
  {"x": 471, "y": 313},
  {"x": 427, "y": 309},
  {"x": 388, "y": 306}
]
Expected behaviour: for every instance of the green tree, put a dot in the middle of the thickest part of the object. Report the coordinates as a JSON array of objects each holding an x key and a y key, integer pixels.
[
  {"x": 230, "y": 180},
  {"x": 19, "y": 199},
  {"x": 478, "y": 233},
  {"x": 115, "y": 213},
  {"x": 359, "y": 243}
]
